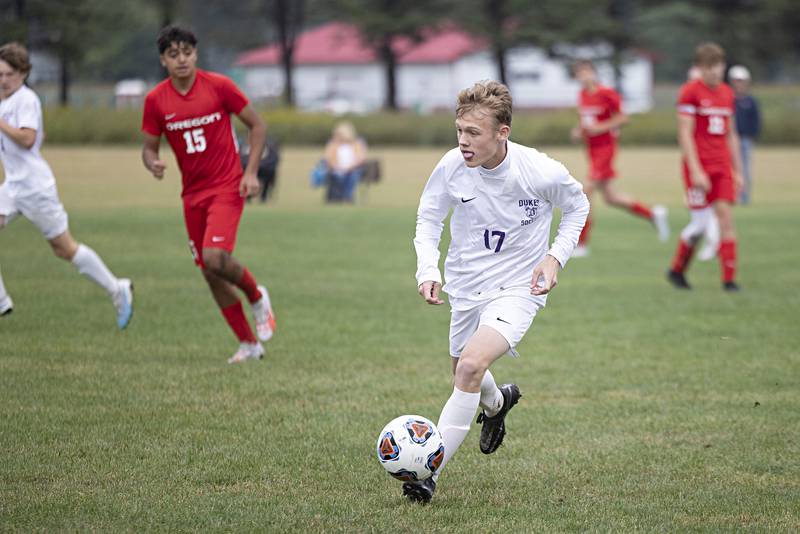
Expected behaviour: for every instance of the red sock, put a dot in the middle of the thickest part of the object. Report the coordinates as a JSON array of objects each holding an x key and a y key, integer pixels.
[
  {"x": 641, "y": 210},
  {"x": 234, "y": 314},
  {"x": 682, "y": 256},
  {"x": 584, "y": 237},
  {"x": 248, "y": 284},
  {"x": 727, "y": 259}
]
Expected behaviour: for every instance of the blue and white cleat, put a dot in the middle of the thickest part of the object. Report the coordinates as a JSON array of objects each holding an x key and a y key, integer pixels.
[
  {"x": 6, "y": 305},
  {"x": 123, "y": 302}
]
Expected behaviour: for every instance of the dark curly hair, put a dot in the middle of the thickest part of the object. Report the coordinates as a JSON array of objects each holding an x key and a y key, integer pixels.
[{"x": 174, "y": 34}]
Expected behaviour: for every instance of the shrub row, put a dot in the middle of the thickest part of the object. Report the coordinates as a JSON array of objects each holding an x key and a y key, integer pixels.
[{"x": 109, "y": 126}]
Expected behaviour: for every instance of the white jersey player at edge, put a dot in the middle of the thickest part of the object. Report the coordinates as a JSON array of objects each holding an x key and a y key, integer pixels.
[
  {"x": 29, "y": 188},
  {"x": 499, "y": 268}
]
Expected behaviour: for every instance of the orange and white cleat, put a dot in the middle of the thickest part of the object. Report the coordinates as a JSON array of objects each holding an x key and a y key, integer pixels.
[{"x": 264, "y": 316}]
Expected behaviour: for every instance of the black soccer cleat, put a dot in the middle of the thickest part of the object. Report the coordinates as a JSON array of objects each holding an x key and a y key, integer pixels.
[
  {"x": 6, "y": 306},
  {"x": 494, "y": 428},
  {"x": 678, "y": 280},
  {"x": 421, "y": 492},
  {"x": 731, "y": 287}
]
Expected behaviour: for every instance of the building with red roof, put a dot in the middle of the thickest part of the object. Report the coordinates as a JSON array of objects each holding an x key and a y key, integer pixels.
[{"x": 336, "y": 69}]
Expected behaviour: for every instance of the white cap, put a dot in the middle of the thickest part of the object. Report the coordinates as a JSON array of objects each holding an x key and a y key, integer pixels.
[{"x": 739, "y": 72}]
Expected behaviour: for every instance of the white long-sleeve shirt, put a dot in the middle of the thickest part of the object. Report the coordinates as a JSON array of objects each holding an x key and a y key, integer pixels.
[{"x": 500, "y": 226}]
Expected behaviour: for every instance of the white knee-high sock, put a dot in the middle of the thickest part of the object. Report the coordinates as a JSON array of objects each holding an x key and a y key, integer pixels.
[
  {"x": 455, "y": 420},
  {"x": 92, "y": 267},
  {"x": 3, "y": 293},
  {"x": 491, "y": 396}
]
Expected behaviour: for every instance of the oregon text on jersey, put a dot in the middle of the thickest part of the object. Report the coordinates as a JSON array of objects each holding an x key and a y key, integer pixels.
[{"x": 194, "y": 122}]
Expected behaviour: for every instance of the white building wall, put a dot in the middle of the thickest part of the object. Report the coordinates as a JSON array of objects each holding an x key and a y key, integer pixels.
[
  {"x": 362, "y": 87},
  {"x": 538, "y": 81},
  {"x": 261, "y": 83},
  {"x": 426, "y": 87},
  {"x": 471, "y": 69},
  {"x": 535, "y": 80}
]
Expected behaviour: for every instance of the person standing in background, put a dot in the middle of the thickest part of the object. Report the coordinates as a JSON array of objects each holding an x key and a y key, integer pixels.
[{"x": 748, "y": 125}]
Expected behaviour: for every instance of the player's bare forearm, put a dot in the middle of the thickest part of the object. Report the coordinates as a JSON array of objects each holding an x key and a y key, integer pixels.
[
  {"x": 686, "y": 142},
  {"x": 616, "y": 121},
  {"x": 257, "y": 140},
  {"x": 734, "y": 147},
  {"x": 256, "y": 137},
  {"x": 24, "y": 137},
  {"x": 576, "y": 134},
  {"x": 150, "y": 157}
]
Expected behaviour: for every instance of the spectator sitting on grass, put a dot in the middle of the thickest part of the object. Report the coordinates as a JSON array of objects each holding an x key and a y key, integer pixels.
[{"x": 345, "y": 153}]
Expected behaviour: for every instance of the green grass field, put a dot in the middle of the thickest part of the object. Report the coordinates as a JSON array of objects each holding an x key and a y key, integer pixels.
[{"x": 644, "y": 409}]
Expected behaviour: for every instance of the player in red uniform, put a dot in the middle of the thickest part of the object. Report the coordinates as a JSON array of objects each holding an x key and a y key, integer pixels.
[
  {"x": 711, "y": 163},
  {"x": 601, "y": 116},
  {"x": 192, "y": 109}
]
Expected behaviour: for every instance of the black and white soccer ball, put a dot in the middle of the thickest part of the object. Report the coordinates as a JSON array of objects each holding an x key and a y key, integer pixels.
[{"x": 410, "y": 448}]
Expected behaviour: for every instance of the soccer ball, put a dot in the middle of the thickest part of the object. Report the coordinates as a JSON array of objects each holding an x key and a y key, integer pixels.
[{"x": 410, "y": 448}]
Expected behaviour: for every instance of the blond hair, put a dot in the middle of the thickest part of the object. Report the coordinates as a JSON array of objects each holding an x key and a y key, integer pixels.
[
  {"x": 345, "y": 131},
  {"x": 708, "y": 54},
  {"x": 493, "y": 97}
]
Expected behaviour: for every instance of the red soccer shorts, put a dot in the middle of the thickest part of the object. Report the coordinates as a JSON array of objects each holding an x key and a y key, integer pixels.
[
  {"x": 601, "y": 162},
  {"x": 722, "y": 187},
  {"x": 212, "y": 222}
]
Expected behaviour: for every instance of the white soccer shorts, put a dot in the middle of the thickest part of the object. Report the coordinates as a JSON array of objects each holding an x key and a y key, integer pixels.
[
  {"x": 511, "y": 313},
  {"x": 42, "y": 208}
]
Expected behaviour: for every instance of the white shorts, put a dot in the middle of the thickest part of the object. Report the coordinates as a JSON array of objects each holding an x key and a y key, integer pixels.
[
  {"x": 511, "y": 313},
  {"x": 42, "y": 208}
]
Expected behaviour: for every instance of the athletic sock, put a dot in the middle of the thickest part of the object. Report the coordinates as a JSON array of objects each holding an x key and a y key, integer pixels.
[
  {"x": 682, "y": 256},
  {"x": 584, "y": 237},
  {"x": 491, "y": 396},
  {"x": 92, "y": 267},
  {"x": 248, "y": 284},
  {"x": 455, "y": 420},
  {"x": 641, "y": 210},
  {"x": 234, "y": 315},
  {"x": 3, "y": 293},
  {"x": 727, "y": 259}
]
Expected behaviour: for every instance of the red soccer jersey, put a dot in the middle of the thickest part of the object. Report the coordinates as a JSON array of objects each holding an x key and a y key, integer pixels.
[
  {"x": 199, "y": 130},
  {"x": 712, "y": 109},
  {"x": 599, "y": 106}
]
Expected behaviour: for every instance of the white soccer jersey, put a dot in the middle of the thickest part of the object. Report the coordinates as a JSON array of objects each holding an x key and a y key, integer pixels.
[
  {"x": 26, "y": 170},
  {"x": 500, "y": 226}
]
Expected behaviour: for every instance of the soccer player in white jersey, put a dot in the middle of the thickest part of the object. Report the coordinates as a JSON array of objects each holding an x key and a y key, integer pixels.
[
  {"x": 30, "y": 188},
  {"x": 499, "y": 268}
]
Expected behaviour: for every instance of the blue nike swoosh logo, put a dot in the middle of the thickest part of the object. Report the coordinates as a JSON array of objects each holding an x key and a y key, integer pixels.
[{"x": 467, "y": 200}]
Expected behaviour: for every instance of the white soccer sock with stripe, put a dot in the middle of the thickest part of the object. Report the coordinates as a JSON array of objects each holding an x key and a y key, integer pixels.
[
  {"x": 3, "y": 293},
  {"x": 454, "y": 422},
  {"x": 92, "y": 267},
  {"x": 491, "y": 396}
]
